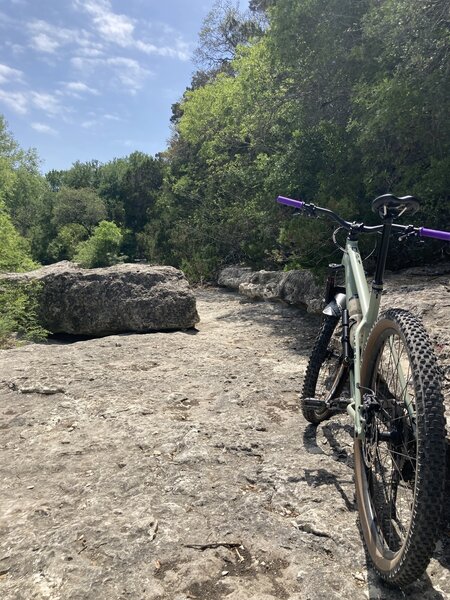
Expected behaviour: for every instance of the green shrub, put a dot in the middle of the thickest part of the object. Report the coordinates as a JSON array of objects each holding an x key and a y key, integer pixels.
[
  {"x": 14, "y": 249},
  {"x": 102, "y": 248},
  {"x": 18, "y": 312},
  {"x": 64, "y": 246},
  {"x": 18, "y": 301}
]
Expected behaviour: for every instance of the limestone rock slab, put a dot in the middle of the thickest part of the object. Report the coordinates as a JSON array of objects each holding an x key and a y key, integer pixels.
[{"x": 117, "y": 299}]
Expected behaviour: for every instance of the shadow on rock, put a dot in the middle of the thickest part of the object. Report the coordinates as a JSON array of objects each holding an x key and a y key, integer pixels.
[
  {"x": 292, "y": 324},
  {"x": 69, "y": 338},
  {"x": 319, "y": 477},
  {"x": 377, "y": 589},
  {"x": 338, "y": 436}
]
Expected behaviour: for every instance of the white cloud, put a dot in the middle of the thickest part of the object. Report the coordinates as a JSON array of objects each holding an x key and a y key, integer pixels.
[
  {"x": 42, "y": 128},
  {"x": 91, "y": 51},
  {"x": 119, "y": 29},
  {"x": 8, "y": 74},
  {"x": 111, "y": 26},
  {"x": 21, "y": 102},
  {"x": 78, "y": 87},
  {"x": 46, "y": 102},
  {"x": 43, "y": 43},
  {"x": 129, "y": 72},
  {"x": 15, "y": 48},
  {"x": 89, "y": 124},
  {"x": 48, "y": 38},
  {"x": 126, "y": 71},
  {"x": 180, "y": 49},
  {"x": 112, "y": 117},
  {"x": 16, "y": 101}
]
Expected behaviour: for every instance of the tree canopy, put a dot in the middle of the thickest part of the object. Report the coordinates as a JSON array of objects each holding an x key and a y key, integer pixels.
[{"x": 332, "y": 101}]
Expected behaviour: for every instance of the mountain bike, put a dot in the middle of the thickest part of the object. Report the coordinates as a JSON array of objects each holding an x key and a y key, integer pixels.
[{"x": 382, "y": 371}]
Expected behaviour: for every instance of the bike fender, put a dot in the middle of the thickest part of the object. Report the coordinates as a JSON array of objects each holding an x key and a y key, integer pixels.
[{"x": 336, "y": 306}]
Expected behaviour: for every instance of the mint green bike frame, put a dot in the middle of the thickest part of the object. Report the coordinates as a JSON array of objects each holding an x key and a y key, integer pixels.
[{"x": 356, "y": 286}]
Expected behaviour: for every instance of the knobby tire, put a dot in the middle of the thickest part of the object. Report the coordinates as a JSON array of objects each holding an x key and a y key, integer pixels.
[
  {"x": 325, "y": 376},
  {"x": 400, "y": 477}
]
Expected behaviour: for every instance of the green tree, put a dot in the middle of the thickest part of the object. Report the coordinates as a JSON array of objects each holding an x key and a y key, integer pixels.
[
  {"x": 83, "y": 175},
  {"x": 111, "y": 188},
  {"x": 65, "y": 244},
  {"x": 14, "y": 249},
  {"x": 78, "y": 205},
  {"x": 18, "y": 301},
  {"x": 141, "y": 182},
  {"x": 23, "y": 190},
  {"x": 402, "y": 102},
  {"x": 224, "y": 29},
  {"x": 335, "y": 102},
  {"x": 55, "y": 179},
  {"x": 102, "y": 248}
]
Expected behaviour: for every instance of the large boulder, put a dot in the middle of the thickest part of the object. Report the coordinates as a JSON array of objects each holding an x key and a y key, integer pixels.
[
  {"x": 122, "y": 298},
  {"x": 263, "y": 285},
  {"x": 232, "y": 277},
  {"x": 296, "y": 287},
  {"x": 300, "y": 288}
]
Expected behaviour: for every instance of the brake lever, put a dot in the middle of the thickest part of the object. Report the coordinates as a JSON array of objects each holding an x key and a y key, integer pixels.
[{"x": 410, "y": 232}]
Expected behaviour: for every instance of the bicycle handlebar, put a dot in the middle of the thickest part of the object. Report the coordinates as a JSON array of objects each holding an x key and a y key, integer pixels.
[
  {"x": 434, "y": 233},
  {"x": 313, "y": 210},
  {"x": 289, "y": 202}
]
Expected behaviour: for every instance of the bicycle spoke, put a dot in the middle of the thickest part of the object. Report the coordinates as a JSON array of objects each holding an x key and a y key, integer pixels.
[{"x": 391, "y": 475}]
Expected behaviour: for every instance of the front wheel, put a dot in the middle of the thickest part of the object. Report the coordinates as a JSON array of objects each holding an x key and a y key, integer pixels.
[
  {"x": 325, "y": 374},
  {"x": 400, "y": 461}
]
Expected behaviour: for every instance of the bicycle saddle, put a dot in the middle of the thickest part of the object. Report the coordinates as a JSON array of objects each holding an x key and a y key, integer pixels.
[{"x": 393, "y": 206}]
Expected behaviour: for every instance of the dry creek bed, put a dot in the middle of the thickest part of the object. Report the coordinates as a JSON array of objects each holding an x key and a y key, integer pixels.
[{"x": 177, "y": 466}]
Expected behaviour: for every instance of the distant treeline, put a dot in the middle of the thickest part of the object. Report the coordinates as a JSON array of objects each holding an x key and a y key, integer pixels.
[{"x": 331, "y": 101}]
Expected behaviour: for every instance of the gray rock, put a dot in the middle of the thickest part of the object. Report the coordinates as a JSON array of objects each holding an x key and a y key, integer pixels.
[
  {"x": 232, "y": 277},
  {"x": 133, "y": 485},
  {"x": 122, "y": 298},
  {"x": 263, "y": 285},
  {"x": 299, "y": 288},
  {"x": 296, "y": 287}
]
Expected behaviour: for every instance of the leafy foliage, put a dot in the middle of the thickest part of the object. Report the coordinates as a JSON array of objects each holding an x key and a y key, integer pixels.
[
  {"x": 336, "y": 102},
  {"x": 19, "y": 313},
  {"x": 64, "y": 245},
  {"x": 14, "y": 249},
  {"x": 78, "y": 205},
  {"x": 102, "y": 248},
  {"x": 333, "y": 101}
]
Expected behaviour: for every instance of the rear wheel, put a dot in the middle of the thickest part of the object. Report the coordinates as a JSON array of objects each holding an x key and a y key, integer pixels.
[
  {"x": 400, "y": 463},
  {"x": 325, "y": 375}
]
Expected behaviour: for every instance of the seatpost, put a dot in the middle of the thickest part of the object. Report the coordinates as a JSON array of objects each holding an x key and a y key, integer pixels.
[{"x": 377, "y": 283}]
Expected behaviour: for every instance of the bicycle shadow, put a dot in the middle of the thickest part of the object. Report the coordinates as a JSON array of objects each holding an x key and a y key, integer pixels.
[{"x": 377, "y": 590}]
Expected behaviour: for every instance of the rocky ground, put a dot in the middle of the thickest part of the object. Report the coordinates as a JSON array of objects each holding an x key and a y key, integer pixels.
[{"x": 177, "y": 466}]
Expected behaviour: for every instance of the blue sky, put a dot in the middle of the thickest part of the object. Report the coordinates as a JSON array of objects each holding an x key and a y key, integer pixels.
[{"x": 94, "y": 79}]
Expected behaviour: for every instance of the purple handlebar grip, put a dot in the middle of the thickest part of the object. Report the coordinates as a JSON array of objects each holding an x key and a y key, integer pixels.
[
  {"x": 290, "y": 202},
  {"x": 435, "y": 233}
]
